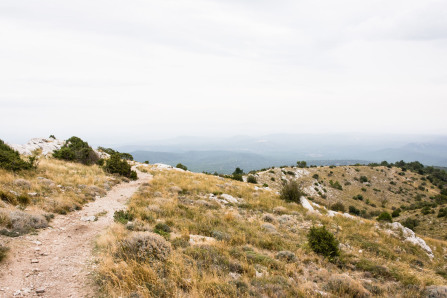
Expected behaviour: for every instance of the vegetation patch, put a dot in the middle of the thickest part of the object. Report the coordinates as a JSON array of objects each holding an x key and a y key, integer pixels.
[
  {"x": 10, "y": 159},
  {"x": 116, "y": 165},
  {"x": 76, "y": 150},
  {"x": 323, "y": 242}
]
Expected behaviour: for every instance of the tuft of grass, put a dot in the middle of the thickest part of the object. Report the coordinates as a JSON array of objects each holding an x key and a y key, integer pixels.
[{"x": 3, "y": 252}]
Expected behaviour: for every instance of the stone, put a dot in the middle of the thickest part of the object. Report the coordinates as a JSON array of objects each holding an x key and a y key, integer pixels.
[
  {"x": 48, "y": 146},
  {"x": 34, "y": 261},
  {"x": 175, "y": 189},
  {"x": 22, "y": 183},
  {"x": 40, "y": 290},
  {"x": 436, "y": 292},
  {"x": 89, "y": 218}
]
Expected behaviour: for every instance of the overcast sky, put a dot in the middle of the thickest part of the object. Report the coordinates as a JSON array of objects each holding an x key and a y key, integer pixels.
[{"x": 127, "y": 70}]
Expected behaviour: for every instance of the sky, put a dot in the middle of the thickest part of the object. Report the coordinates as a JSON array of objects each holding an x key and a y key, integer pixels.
[{"x": 133, "y": 70}]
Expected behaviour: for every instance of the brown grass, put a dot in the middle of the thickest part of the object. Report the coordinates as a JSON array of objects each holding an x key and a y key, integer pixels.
[{"x": 243, "y": 260}]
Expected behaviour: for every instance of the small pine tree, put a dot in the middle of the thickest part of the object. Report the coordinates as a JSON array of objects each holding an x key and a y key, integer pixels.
[
  {"x": 291, "y": 192},
  {"x": 180, "y": 166},
  {"x": 323, "y": 242},
  {"x": 116, "y": 165}
]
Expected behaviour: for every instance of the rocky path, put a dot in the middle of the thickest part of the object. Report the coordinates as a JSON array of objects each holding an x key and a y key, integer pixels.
[{"x": 59, "y": 260}]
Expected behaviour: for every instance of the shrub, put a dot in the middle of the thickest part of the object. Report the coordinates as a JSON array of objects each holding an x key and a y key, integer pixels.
[
  {"x": 18, "y": 222},
  {"x": 385, "y": 216},
  {"x": 180, "y": 166},
  {"x": 396, "y": 213},
  {"x": 344, "y": 286},
  {"x": 77, "y": 150},
  {"x": 301, "y": 164},
  {"x": 410, "y": 223},
  {"x": 251, "y": 179},
  {"x": 442, "y": 212},
  {"x": 426, "y": 210},
  {"x": 354, "y": 210},
  {"x": 315, "y": 176},
  {"x": 123, "y": 216},
  {"x": 338, "y": 207},
  {"x": 237, "y": 174},
  {"x": 335, "y": 185},
  {"x": 110, "y": 151},
  {"x": 358, "y": 197},
  {"x": 145, "y": 246},
  {"x": 3, "y": 251},
  {"x": 10, "y": 159},
  {"x": 162, "y": 229},
  {"x": 323, "y": 242},
  {"x": 363, "y": 179},
  {"x": 291, "y": 192},
  {"x": 119, "y": 166}
]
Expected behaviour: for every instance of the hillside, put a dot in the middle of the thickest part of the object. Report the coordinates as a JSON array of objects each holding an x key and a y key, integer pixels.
[
  {"x": 371, "y": 191},
  {"x": 188, "y": 234},
  {"x": 198, "y": 235}
]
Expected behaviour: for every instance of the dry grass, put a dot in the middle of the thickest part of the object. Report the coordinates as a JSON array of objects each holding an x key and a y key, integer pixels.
[
  {"x": 54, "y": 187},
  {"x": 385, "y": 190},
  {"x": 247, "y": 259}
]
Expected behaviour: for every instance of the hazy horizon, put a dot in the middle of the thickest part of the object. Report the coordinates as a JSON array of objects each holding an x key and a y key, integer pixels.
[{"x": 114, "y": 72}]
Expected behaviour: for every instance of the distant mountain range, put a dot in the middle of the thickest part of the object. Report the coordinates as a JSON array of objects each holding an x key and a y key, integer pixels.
[{"x": 223, "y": 155}]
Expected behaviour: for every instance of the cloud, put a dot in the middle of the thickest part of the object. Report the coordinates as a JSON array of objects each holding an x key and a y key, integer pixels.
[{"x": 227, "y": 67}]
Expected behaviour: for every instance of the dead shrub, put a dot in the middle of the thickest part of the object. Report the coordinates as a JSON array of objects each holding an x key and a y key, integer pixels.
[{"x": 144, "y": 246}]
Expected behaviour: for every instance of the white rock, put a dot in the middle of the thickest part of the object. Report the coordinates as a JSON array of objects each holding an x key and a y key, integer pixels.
[
  {"x": 200, "y": 240},
  {"x": 88, "y": 218},
  {"x": 307, "y": 205},
  {"x": 46, "y": 145},
  {"x": 411, "y": 237},
  {"x": 229, "y": 198}
]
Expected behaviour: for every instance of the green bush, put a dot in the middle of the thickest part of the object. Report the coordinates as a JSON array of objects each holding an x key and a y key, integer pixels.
[
  {"x": 363, "y": 179},
  {"x": 442, "y": 212},
  {"x": 338, "y": 207},
  {"x": 10, "y": 159},
  {"x": 77, "y": 150},
  {"x": 162, "y": 229},
  {"x": 110, "y": 151},
  {"x": 335, "y": 185},
  {"x": 315, "y": 176},
  {"x": 410, "y": 223},
  {"x": 396, "y": 213},
  {"x": 237, "y": 174},
  {"x": 358, "y": 197},
  {"x": 301, "y": 164},
  {"x": 354, "y": 210},
  {"x": 291, "y": 192},
  {"x": 323, "y": 242},
  {"x": 426, "y": 210},
  {"x": 123, "y": 216},
  {"x": 251, "y": 179},
  {"x": 385, "y": 216},
  {"x": 116, "y": 165},
  {"x": 180, "y": 166}
]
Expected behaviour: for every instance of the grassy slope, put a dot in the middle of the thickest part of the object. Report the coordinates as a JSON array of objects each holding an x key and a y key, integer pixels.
[
  {"x": 54, "y": 187},
  {"x": 242, "y": 257},
  {"x": 381, "y": 194}
]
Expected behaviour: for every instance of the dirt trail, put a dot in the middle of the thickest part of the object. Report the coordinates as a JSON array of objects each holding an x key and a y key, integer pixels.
[{"x": 58, "y": 261}]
